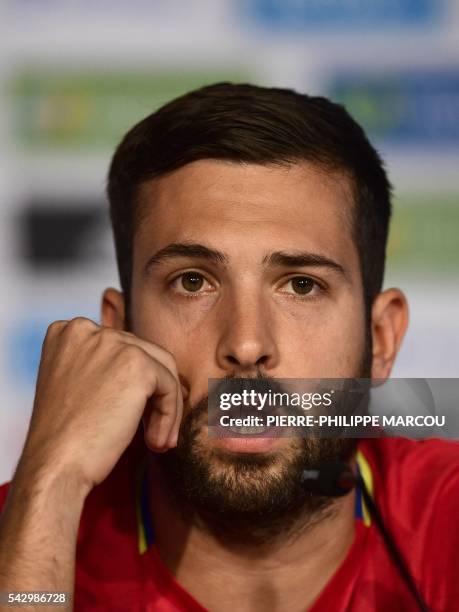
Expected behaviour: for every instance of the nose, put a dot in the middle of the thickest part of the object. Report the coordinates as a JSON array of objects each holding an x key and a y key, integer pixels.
[{"x": 247, "y": 343}]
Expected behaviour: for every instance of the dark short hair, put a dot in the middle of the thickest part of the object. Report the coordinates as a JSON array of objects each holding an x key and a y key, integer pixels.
[{"x": 251, "y": 124}]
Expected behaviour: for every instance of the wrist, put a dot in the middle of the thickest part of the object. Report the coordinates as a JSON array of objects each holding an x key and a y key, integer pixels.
[{"x": 54, "y": 480}]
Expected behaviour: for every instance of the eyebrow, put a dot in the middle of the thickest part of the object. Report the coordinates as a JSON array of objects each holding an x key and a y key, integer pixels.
[
  {"x": 186, "y": 249},
  {"x": 275, "y": 259},
  {"x": 303, "y": 259}
]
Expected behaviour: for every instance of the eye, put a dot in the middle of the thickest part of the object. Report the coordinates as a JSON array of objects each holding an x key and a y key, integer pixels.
[
  {"x": 301, "y": 285},
  {"x": 190, "y": 282}
]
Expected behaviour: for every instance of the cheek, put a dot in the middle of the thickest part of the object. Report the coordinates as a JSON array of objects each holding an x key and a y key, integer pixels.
[
  {"x": 182, "y": 329},
  {"x": 322, "y": 342}
]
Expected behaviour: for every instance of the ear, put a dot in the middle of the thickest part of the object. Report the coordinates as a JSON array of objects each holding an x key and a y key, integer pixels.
[
  {"x": 113, "y": 309},
  {"x": 389, "y": 320}
]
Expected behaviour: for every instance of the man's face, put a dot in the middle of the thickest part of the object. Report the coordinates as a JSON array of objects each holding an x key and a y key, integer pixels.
[
  {"x": 256, "y": 309},
  {"x": 241, "y": 270}
]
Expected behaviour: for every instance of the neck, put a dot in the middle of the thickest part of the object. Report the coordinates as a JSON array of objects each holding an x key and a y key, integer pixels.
[{"x": 282, "y": 574}]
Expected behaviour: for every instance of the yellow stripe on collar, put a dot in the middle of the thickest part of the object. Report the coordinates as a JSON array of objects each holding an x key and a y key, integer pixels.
[{"x": 365, "y": 471}]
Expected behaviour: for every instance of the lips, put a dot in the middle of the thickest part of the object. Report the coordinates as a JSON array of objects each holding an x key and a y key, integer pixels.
[
  {"x": 249, "y": 443},
  {"x": 250, "y": 437}
]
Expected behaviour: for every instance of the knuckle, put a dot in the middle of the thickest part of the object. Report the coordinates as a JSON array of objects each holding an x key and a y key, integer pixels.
[
  {"x": 53, "y": 331},
  {"x": 106, "y": 334},
  {"x": 80, "y": 325},
  {"x": 55, "y": 327},
  {"x": 136, "y": 364},
  {"x": 171, "y": 382},
  {"x": 169, "y": 361},
  {"x": 132, "y": 355}
]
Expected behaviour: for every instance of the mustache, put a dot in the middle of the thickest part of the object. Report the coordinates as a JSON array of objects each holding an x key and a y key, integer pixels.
[
  {"x": 236, "y": 384},
  {"x": 208, "y": 405}
]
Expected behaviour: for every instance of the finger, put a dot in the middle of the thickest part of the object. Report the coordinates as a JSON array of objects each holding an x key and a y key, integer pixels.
[
  {"x": 54, "y": 330},
  {"x": 157, "y": 352},
  {"x": 156, "y": 422},
  {"x": 162, "y": 408},
  {"x": 173, "y": 438},
  {"x": 167, "y": 359}
]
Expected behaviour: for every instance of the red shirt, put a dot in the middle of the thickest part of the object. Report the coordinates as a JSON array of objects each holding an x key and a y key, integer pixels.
[{"x": 415, "y": 484}]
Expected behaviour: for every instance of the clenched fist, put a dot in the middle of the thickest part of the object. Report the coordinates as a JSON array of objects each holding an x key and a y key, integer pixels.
[{"x": 94, "y": 386}]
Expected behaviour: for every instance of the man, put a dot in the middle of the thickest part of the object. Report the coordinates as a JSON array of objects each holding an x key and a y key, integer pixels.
[{"x": 250, "y": 228}]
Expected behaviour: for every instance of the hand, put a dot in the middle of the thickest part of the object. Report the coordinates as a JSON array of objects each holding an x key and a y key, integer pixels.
[{"x": 94, "y": 386}]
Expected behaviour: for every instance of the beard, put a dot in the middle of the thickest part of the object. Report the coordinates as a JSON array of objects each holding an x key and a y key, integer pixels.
[{"x": 249, "y": 498}]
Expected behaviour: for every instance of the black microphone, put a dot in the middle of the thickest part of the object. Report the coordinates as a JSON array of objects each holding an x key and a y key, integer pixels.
[
  {"x": 335, "y": 479},
  {"x": 331, "y": 479}
]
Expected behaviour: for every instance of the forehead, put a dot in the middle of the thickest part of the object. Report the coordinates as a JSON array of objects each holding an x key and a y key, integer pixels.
[{"x": 248, "y": 207}]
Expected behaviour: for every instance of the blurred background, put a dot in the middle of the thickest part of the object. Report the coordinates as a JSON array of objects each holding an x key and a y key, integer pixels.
[{"x": 75, "y": 74}]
